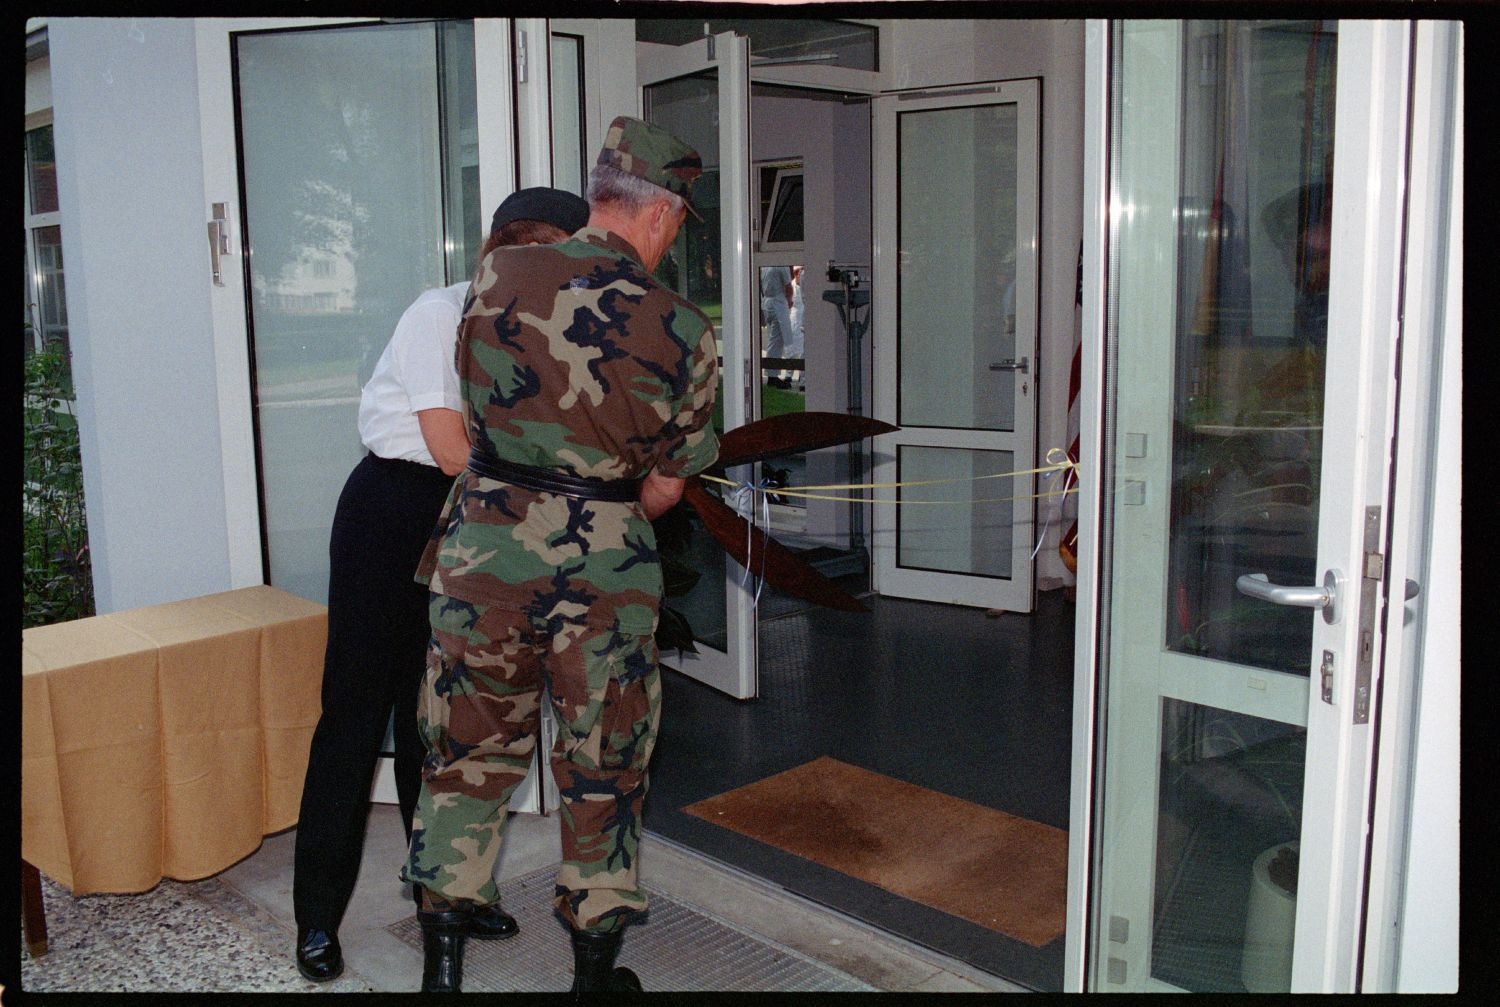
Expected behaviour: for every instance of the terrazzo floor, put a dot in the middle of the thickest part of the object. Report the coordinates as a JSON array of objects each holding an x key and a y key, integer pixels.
[{"x": 119, "y": 944}]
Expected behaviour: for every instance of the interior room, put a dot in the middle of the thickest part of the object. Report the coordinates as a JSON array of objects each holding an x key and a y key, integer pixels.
[{"x": 968, "y": 706}]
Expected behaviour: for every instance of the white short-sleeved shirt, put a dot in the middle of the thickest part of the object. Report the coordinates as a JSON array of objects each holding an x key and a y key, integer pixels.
[{"x": 415, "y": 372}]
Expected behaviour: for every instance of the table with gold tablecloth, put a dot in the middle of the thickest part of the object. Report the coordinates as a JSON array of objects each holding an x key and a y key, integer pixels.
[{"x": 166, "y": 741}]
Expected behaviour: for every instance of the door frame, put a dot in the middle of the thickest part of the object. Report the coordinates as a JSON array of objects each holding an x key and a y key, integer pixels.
[
  {"x": 736, "y": 670},
  {"x": 1016, "y": 593},
  {"x": 1364, "y": 293},
  {"x": 1412, "y": 933}
]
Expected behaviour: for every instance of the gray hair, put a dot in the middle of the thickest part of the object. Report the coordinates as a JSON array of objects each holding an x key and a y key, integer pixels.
[{"x": 610, "y": 186}]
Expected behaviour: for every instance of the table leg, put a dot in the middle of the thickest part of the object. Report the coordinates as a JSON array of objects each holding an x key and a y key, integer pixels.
[{"x": 33, "y": 912}]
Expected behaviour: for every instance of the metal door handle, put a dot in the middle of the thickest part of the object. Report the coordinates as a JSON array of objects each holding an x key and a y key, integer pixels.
[
  {"x": 1010, "y": 364},
  {"x": 1258, "y": 585},
  {"x": 218, "y": 240}
]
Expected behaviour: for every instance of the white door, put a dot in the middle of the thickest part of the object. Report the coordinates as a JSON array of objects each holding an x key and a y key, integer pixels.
[
  {"x": 701, "y": 93},
  {"x": 955, "y": 324},
  {"x": 342, "y": 163},
  {"x": 1254, "y": 227}
]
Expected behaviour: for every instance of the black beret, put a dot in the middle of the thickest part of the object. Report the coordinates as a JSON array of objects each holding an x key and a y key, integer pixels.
[{"x": 551, "y": 206}]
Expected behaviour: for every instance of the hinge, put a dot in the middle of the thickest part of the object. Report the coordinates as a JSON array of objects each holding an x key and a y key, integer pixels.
[{"x": 520, "y": 56}]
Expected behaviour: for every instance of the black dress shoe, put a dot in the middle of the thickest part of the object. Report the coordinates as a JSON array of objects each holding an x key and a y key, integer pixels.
[
  {"x": 319, "y": 957},
  {"x": 491, "y": 923}
]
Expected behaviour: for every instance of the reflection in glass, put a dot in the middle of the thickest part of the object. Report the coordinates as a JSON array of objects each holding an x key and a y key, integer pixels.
[
  {"x": 784, "y": 219},
  {"x": 465, "y": 220},
  {"x": 971, "y": 531},
  {"x": 47, "y": 256},
  {"x": 41, "y": 170},
  {"x": 345, "y": 221},
  {"x": 957, "y": 250},
  {"x": 1252, "y": 325},
  {"x": 1228, "y": 819},
  {"x": 703, "y": 605},
  {"x": 568, "y": 171},
  {"x": 688, "y": 107}
]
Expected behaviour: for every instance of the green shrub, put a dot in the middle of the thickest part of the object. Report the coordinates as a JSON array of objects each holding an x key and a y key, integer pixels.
[{"x": 57, "y": 580}]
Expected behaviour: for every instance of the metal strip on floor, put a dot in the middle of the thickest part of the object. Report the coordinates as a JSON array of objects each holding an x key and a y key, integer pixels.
[{"x": 678, "y": 948}]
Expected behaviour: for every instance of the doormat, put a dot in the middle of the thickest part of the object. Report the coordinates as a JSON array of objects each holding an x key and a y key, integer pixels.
[{"x": 1004, "y": 873}]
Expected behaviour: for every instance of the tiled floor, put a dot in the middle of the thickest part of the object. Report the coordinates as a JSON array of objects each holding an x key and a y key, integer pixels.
[
  {"x": 939, "y": 696},
  {"x": 234, "y": 932}
]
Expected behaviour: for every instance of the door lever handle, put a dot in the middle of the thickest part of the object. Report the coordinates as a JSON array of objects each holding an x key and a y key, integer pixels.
[
  {"x": 218, "y": 240},
  {"x": 1258, "y": 585},
  {"x": 1011, "y": 364}
]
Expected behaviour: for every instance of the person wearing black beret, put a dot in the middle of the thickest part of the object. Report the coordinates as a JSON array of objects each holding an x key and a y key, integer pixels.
[{"x": 411, "y": 422}]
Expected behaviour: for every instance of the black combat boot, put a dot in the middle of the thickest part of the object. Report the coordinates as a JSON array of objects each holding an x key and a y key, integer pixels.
[
  {"x": 594, "y": 964},
  {"x": 443, "y": 936}
]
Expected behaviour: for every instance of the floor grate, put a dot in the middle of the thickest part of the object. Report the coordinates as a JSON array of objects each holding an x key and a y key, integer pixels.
[{"x": 677, "y": 949}]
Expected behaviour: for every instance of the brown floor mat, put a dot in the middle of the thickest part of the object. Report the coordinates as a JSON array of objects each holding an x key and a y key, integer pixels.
[{"x": 1004, "y": 873}]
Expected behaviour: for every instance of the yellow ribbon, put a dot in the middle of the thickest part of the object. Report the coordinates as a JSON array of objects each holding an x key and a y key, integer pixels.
[{"x": 1064, "y": 463}]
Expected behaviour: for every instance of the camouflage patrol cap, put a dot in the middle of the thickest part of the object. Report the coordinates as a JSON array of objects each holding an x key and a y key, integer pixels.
[{"x": 651, "y": 153}]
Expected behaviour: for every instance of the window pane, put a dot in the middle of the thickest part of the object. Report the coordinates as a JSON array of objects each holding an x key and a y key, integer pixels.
[
  {"x": 688, "y": 108},
  {"x": 786, "y": 214},
  {"x": 567, "y": 114},
  {"x": 970, "y": 530},
  {"x": 41, "y": 170},
  {"x": 52, "y": 306},
  {"x": 466, "y": 221},
  {"x": 1229, "y": 817},
  {"x": 957, "y": 253},
  {"x": 343, "y": 196},
  {"x": 1252, "y": 325}
]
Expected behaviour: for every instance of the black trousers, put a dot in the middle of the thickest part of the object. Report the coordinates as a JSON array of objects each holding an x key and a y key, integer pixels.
[{"x": 378, "y": 631}]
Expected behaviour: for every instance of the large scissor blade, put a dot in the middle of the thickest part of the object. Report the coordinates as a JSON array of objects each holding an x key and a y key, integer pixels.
[
  {"x": 766, "y": 557},
  {"x": 792, "y": 433}
]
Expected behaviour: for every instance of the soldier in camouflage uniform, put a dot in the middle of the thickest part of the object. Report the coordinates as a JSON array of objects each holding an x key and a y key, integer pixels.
[{"x": 588, "y": 390}]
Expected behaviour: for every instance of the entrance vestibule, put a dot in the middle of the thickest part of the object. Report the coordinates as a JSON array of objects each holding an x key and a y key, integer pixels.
[{"x": 943, "y": 697}]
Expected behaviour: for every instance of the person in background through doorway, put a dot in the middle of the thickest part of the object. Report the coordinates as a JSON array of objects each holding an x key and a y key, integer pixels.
[
  {"x": 410, "y": 421},
  {"x": 776, "y": 315},
  {"x": 589, "y": 391},
  {"x": 795, "y": 344}
]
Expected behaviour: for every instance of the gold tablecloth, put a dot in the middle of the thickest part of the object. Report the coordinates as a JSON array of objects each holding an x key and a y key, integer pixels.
[{"x": 166, "y": 741}]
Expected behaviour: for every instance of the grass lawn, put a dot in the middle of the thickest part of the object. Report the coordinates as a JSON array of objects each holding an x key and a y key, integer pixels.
[{"x": 773, "y": 402}]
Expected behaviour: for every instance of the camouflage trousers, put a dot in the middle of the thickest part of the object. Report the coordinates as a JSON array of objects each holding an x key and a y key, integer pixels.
[{"x": 488, "y": 669}]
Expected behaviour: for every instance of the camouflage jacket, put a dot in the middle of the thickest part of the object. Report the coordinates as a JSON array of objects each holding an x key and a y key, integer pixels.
[{"x": 572, "y": 357}]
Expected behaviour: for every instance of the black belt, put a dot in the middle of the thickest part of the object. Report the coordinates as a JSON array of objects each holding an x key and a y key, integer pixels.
[{"x": 552, "y": 481}]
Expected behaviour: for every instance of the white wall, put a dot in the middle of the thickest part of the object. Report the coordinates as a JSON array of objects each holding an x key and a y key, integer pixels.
[
  {"x": 130, "y": 188},
  {"x": 935, "y": 53}
]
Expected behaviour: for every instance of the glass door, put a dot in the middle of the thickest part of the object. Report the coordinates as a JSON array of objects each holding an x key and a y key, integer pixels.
[
  {"x": 1255, "y": 213},
  {"x": 955, "y": 297},
  {"x": 360, "y": 190},
  {"x": 701, "y": 93}
]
